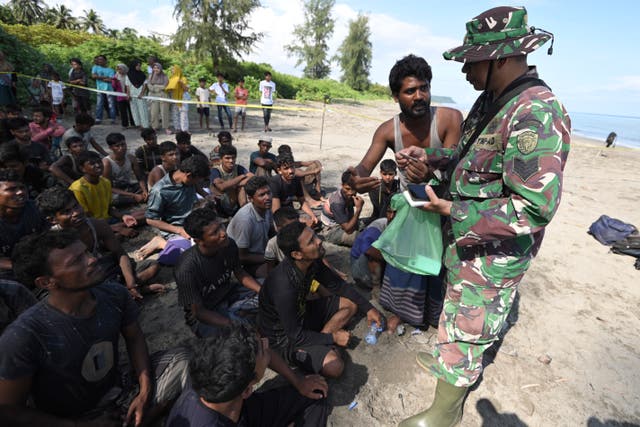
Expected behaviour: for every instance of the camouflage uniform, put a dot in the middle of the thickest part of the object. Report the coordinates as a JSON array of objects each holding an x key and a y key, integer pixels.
[{"x": 505, "y": 190}]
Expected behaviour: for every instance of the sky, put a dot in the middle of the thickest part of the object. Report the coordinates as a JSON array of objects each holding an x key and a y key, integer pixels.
[{"x": 594, "y": 67}]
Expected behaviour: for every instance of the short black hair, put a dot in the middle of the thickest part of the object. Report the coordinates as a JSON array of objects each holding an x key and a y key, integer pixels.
[
  {"x": 17, "y": 123},
  {"x": 346, "y": 177},
  {"x": 285, "y": 149},
  {"x": 284, "y": 160},
  {"x": 267, "y": 73},
  {"x": 147, "y": 133},
  {"x": 183, "y": 137},
  {"x": 222, "y": 367},
  {"x": 45, "y": 111},
  {"x": 220, "y": 74},
  {"x": 71, "y": 140},
  {"x": 197, "y": 166},
  {"x": 53, "y": 200},
  {"x": 115, "y": 138},
  {"x": 197, "y": 220},
  {"x": 87, "y": 155},
  {"x": 227, "y": 150},
  {"x": 285, "y": 214},
  {"x": 84, "y": 119},
  {"x": 254, "y": 184},
  {"x": 288, "y": 237},
  {"x": 12, "y": 152},
  {"x": 30, "y": 256},
  {"x": 389, "y": 166},
  {"x": 9, "y": 175},
  {"x": 224, "y": 134},
  {"x": 202, "y": 79},
  {"x": 241, "y": 80},
  {"x": 166, "y": 147},
  {"x": 76, "y": 60},
  {"x": 409, "y": 66}
]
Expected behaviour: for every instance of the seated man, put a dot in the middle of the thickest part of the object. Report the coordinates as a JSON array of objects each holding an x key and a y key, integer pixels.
[
  {"x": 19, "y": 217},
  {"x": 43, "y": 130},
  {"x": 62, "y": 353},
  {"x": 309, "y": 172},
  {"x": 169, "y": 156},
  {"x": 203, "y": 276},
  {"x": 14, "y": 299},
  {"x": 262, "y": 162},
  {"x": 341, "y": 214},
  {"x": 252, "y": 226},
  {"x": 389, "y": 185},
  {"x": 228, "y": 179},
  {"x": 224, "y": 371},
  {"x": 127, "y": 182},
  {"x": 62, "y": 210},
  {"x": 13, "y": 156},
  {"x": 185, "y": 149},
  {"x": 367, "y": 263},
  {"x": 37, "y": 153},
  {"x": 82, "y": 130},
  {"x": 224, "y": 138},
  {"x": 287, "y": 187},
  {"x": 148, "y": 155},
  {"x": 305, "y": 331},
  {"x": 66, "y": 168}
]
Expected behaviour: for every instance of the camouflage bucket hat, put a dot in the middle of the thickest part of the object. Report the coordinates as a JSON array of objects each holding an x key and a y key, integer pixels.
[{"x": 500, "y": 32}]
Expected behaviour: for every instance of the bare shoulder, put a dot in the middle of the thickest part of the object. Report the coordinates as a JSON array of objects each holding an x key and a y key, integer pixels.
[{"x": 449, "y": 116}]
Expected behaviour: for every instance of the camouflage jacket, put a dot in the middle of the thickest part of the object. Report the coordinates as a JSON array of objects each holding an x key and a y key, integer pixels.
[{"x": 507, "y": 187}]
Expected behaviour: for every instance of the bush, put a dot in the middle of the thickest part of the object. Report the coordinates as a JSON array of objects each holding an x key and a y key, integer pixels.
[{"x": 41, "y": 34}]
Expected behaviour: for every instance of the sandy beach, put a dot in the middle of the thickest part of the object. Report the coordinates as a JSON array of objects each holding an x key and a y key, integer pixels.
[{"x": 577, "y": 307}]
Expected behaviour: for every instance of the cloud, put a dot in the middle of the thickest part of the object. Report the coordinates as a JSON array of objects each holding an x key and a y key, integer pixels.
[{"x": 625, "y": 83}]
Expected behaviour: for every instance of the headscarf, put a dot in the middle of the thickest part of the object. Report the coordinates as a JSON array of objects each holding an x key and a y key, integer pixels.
[
  {"x": 136, "y": 77},
  {"x": 122, "y": 77},
  {"x": 160, "y": 78},
  {"x": 177, "y": 83}
]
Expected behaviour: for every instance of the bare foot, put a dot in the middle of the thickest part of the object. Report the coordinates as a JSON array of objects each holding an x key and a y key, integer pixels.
[
  {"x": 154, "y": 288},
  {"x": 155, "y": 244},
  {"x": 392, "y": 323}
]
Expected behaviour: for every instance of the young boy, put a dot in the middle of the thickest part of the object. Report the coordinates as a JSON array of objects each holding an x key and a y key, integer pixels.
[
  {"x": 224, "y": 138},
  {"x": 43, "y": 129},
  {"x": 221, "y": 89},
  {"x": 63, "y": 212},
  {"x": 242, "y": 95},
  {"x": 203, "y": 95},
  {"x": 185, "y": 149},
  {"x": 341, "y": 213},
  {"x": 56, "y": 93},
  {"x": 309, "y": 173},
  {"x": 66, "y": 168},
  {"x": 148, "y": 155},
  {"x": 82, "y": 129},
  {"x": 127, "y": 182},
  {"x": 93, "y": 192},
  {"x": 15, "y": 158},
  {"x": 228, "y": 179},
  {"x": 287, "y": 187},
  {"x": 169, "y": 156},
  {"x": 389, "y": 186},
  {"x": 262, "y": 162},
  {"x": 37, "y": 153}
]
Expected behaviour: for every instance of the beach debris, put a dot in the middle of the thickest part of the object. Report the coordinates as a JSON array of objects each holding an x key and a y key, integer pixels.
[
  {"x": 400, "y": 330},
  {"x": 352, "y": 405},
  {"x": 600, "y": 319},
  {"x": 416, "y": 332},
  {"x": 401, "y": 400},
  {"x": 545, "y": 359},
  {"x": 526, "y": 386}
]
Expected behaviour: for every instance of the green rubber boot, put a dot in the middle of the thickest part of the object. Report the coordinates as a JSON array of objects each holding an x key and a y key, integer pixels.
[
  {"x": 425, "y": 360},
  {"x": 445, "y": 411}
]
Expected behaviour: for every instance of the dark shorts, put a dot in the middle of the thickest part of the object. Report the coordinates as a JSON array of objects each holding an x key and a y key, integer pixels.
[
  {"x": 203, "y": 110},
  {"x": 310, "y": 357}
]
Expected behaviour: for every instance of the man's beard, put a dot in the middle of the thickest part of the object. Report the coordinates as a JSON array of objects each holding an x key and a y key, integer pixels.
[{"x": 422, "y": 108}]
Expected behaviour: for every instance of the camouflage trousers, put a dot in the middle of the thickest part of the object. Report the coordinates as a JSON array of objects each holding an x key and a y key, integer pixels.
[{"x": 472, "y": 317}]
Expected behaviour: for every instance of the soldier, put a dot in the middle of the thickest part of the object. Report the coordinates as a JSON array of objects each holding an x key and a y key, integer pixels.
[{"x": 505, "y": 186}]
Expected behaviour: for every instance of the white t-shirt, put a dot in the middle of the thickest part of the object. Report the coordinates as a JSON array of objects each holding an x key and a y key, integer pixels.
[
  {"x": 221, "y": 95},
  {"x": 56, "y": 92},
  {"x": 203, "y": 95},
  {"x": 267, "y": 89}
]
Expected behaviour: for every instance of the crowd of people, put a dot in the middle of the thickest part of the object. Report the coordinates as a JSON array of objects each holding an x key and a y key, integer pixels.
[{"x": 246, "y": 245}]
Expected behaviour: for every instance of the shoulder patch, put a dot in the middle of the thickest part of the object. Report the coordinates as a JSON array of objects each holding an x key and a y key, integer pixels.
[
  {"x": 527, "y": 142},
  {"x": 525, "y": 169}
]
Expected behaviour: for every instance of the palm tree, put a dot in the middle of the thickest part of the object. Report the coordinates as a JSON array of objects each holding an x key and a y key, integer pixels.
[
  {"x": 92, "y": 22},
  {"x": 60, "y": 17},
  {"x": 129, "y": 32},
  {"x": 28, "y": 11}
]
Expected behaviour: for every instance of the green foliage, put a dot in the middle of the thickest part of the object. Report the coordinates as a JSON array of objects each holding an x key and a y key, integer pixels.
[
  {"x": 28, "y": 11},
  {"x": 214, "y": 29},
  {"x": 355, "y": 54},
  {"x": 40, "y": 34},
  {"x": 92, "y": 22},
  {"x": 312, "y": 36}
]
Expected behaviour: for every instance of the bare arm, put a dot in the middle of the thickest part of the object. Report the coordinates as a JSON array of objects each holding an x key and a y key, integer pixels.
[
  {"x": 275, "y": 204},
  {"x": 222, "y": 185},
  {"x": 351, "y": 225},
  {"x": 57, "y": 171},
  {"x": 305, "y": 208},
  {"x": 209, "y": 317},
  {"x": 169, "y": 228},
  {"x": 139, "y": 357},
  {"x": 247, "y": 280},
  {"x": 363, "y": 182},
  {"x": 247, "y": 257},
  {"x": 450, "y": 126},
  {"x": 97, "y": 147}
]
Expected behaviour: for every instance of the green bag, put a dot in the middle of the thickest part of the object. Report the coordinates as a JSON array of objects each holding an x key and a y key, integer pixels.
[{"x": 412, "y": 242}]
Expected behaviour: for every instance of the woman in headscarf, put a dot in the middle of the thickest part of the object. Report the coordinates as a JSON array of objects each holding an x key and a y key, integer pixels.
[
  {"x": 156, "y": 84},
  {"x": 135, "y": 86},
  {"x": 118, "y": 82},
  {"x": 7, "y": 96},
  {"x": 176, "y": 88}
]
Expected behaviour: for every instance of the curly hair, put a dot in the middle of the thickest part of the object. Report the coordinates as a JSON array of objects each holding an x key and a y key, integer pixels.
[
  {"x": 409, "y": 66},
  {"x": 197, "y": 220},
  {"x": 254, "y": 184}
]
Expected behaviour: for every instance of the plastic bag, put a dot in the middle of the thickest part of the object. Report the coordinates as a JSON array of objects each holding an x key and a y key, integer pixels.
[
  {"x": 413, "y": 240},
  {"x": 609, "y": 230}
]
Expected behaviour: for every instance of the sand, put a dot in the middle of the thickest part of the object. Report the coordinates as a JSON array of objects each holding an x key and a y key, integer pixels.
[{"x": 577, "y": 307}]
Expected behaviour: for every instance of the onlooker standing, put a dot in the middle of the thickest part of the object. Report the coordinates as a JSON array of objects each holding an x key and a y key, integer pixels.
[
  {"x": 203, "y": 95},
  {"x": 103, "y": 75},
  {"x": 242, "y": 95},
  {"x": 56, "y": 90},
  {"x": 267, "y": 90},
  {"x": 175, "y": 89},
  {"x": 119, "y": 82},
  {"x": 134, "y": 85},
  {"x": 7, "y": 97},
  {"x": 156, "y": 84},
  {"x": 221, "y": 89},
  {"x": 78, "y": 77}
]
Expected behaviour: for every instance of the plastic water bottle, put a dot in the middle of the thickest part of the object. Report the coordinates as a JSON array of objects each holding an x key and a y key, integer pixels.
[{"x": 372, "y": 336}]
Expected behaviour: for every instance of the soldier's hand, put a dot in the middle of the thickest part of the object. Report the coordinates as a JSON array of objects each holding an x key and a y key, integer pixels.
[
  {"x": 436, "y": 204},
  {"x": 341, "y": 337}
]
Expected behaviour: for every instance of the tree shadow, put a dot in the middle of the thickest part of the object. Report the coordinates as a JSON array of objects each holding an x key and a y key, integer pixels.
[
  {"x": 492, "y": 418},
  {"x": 595, "y": 422}
]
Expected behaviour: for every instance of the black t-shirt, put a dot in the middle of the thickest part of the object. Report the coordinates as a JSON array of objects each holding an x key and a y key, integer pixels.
[
  {"x": 14, "y": 299},
  {"x": 148, "y": 157},
  {"x": 205, "y": 280},
  {"x": 73, "y": 361},
  {"x": 283, "y": 300},
  {"x": 189, "y": 411},
  {"x": 287, "y": 192},
  {"x": 381, "y": 197},
  {"x": 30, "y": 222},
  {"x": 192, "y": 151}
]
